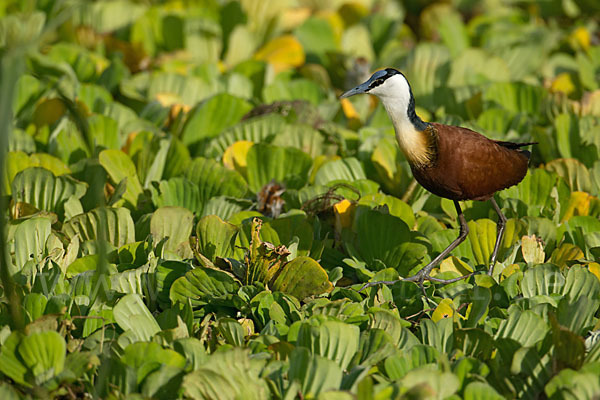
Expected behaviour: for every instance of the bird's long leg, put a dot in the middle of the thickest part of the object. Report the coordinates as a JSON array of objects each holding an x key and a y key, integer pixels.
[
  {"x": 423, "y": 274},
  {"x": 499, "y": 234}
]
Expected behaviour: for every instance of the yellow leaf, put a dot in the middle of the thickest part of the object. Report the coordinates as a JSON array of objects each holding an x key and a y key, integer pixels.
[
  {"x": 509, "y": 270},
  {"x": 562, "y": 84},
  {"x": 444, "y": 310},
  {"x": 579, "y": 204},
  {"x": 566, "y": 252},
  {"x": 282, "y": 53},
  {"x": 455, "y": 264},
  {"x": 167, "y": 99},
  {"x": 235, "y": 156},
  {"x": 594, "y": 268},
  {"x": 344, "y": 214},
  {"x": 48, "y": 111},
  {"x": 349, "y": 110},
  {"x": 293, "y": 17},
  {"x": 581, "y": 37},
  {"x": 532, "y": 249}
]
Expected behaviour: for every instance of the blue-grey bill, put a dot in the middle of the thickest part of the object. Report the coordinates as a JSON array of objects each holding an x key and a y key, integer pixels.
[{"x": 357, "y": 90}]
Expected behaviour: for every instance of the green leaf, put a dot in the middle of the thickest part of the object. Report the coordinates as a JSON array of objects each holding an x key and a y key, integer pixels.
[
  {"x": 30, "y": 240},
  {"x": 132, "y": 315},
  {"x": 516, "y": 97},
  {"x": 447, "y": 23},
  {"x": 104, "y": 132},
  {"x": 441, "y": 384},
  {"x": 119, "y": 166},
  {"x": 481, "y": 391},
  {"x": 424, "y": 70},
  {"x": 314, "y": 373},
  {"x": 543, "y": 279},
  {"x": 232, "y": 330},
  {"x": 173, "y": 224},
  {"x": 204, "y": 286},
  {"x": 258, "y": 129},
  {"x": 44, "y": 354},
  {"x": 316, "y": 36},
  {"x": 212, "y": 116},
  {"x": 348, "y": 169},
  {"x": 40, "y": 188},
  {"x": 114, "y": 225},
  {"x": 386, "y": 238},
  {"x": 302, "y": 137},
  {"x": 482, "y": 236},
  {"x": 481, "y": 298},
  {"x": 297, "y": 89},
  {"x": 474, "y": 342},
  {"x": 475, "y": 67},
  {"x": 302, "y": 277},
  {"x": 11, "y": 363},
  {"x": 574, "y": 171},
  {"x": 179, "y": 192},
  {"x": 186, "y": 89},
  {"x": 284, "y": 165},
  {"x": 216, "y": 238},
  {"x": 227, "y": 375},
  {"x": 333, "y": 340},
  {"x": 525, "y": 327},
  {"x": 213, "y": 179},
  {"x": 580, "y": 282}
]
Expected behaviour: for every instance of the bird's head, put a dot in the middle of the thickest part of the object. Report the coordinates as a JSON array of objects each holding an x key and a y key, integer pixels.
[
  {"x": 394, "y": 91},
  {"x": 386, "y": 84}
]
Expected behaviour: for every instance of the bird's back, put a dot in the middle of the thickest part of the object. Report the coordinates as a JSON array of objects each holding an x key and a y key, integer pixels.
[{"x": 470, "y": 166}]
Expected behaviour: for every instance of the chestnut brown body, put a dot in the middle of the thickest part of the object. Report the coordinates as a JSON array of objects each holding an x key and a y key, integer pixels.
[
  {"x": 449, "y": 161},
  {"x": 468, "y": 166}
]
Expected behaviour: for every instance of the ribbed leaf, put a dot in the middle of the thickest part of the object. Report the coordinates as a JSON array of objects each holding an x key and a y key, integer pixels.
[
  {"x": 132, "y": 314},
  {"x": 544, "y": 279},
  {"x": 179, "y": 192},
  {"x": 40, "y": 188},
  {"x": 44, "y": 354},
  {"x": 213, "y": 179},
  {"x": 115, "y": 223},
  {"x": 348, "y": 169},
  {"x": 258, "y": 129},
  {"x": 302, "y": 277},
  {"x": 212, "y": 116},
  {"x": 119, "y": 166},
  {"x": 283, "y": 164},
  {"x": 30, "y": 240},
  {"x": 173, "y": 224},
  {"x": 524, "y": 327},
  {"x": 333, "y": 340}
]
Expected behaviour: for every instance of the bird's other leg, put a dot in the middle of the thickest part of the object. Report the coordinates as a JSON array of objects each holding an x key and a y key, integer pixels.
[
  {"x": 423, "y": 274},
  {"x": 499, "y": 234}
]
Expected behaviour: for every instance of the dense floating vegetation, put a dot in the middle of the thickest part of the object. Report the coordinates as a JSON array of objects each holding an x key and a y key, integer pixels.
[{"x": 190, "y": 210}]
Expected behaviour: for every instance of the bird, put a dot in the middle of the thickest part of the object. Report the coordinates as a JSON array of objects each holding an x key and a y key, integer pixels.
[{"x": 452, "y": 162}]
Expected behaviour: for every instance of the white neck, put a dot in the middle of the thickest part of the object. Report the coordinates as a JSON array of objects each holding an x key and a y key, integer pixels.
[
  {"x": 395, "y": 94},
  {"x": 411, "y": 141}
]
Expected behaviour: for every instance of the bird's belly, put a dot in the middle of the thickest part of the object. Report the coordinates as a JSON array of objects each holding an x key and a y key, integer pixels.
[
  {"x": 458, "y": 185},
  {"x": 431, "y": 180}
]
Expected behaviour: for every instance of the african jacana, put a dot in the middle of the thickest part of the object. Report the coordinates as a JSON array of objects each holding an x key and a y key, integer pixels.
[{"x": 449, "y": 161}]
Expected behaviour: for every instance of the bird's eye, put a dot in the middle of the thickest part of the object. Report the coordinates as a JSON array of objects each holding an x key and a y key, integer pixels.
[{"x": 376, "y": 82}]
